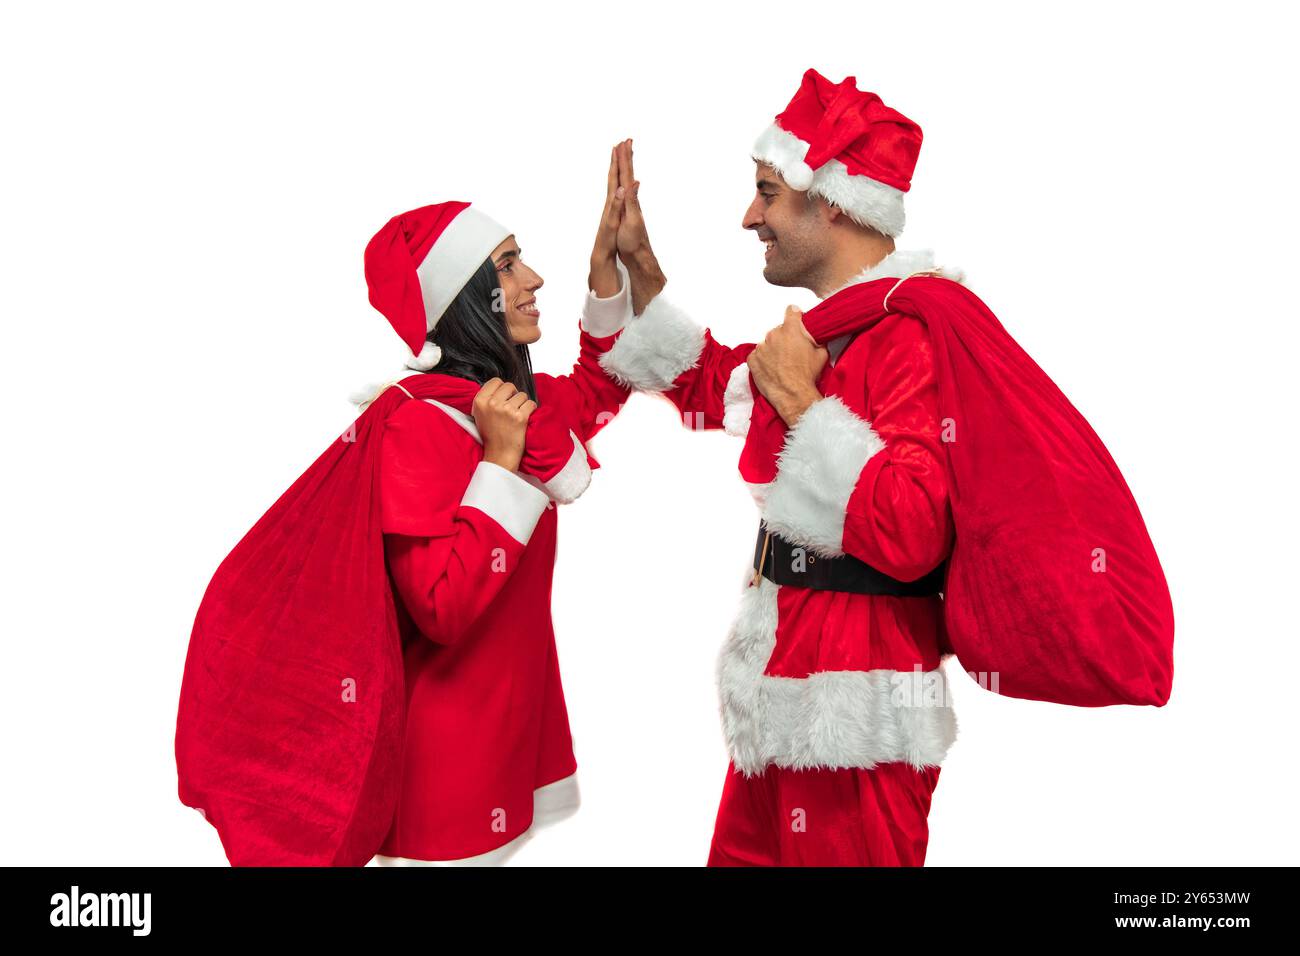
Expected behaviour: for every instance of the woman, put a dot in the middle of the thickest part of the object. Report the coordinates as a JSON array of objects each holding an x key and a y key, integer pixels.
[
  {"x": 372, "y": 670},
  {"x": 469, "y": 537}
]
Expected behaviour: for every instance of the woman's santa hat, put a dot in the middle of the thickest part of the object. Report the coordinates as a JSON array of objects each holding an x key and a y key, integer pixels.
[
  {"x": 846, "y": 146},
  {"x": 418, "y": 263}
]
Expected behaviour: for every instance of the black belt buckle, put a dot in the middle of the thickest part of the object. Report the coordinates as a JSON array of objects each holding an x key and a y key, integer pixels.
[{"x": 787, "y": 564}]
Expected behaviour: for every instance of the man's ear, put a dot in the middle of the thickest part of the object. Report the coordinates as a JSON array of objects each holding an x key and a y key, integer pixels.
[{"x": 829, "y": 214}]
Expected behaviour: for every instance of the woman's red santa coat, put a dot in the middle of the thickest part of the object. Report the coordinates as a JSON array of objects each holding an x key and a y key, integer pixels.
[{"x": 471, "y": 549}]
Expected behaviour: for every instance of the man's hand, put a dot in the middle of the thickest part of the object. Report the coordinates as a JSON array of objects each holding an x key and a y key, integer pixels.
[
  {"x": 647, "y": 279},
  {"x": 633, "y": 240},
  {"x": 785, "y": 366},
  {"x": 603, "y": 277}
]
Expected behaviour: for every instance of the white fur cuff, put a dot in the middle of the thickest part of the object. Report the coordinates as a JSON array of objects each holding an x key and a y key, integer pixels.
[
  {"x": 573, "y": 479},
  {"x": 818, "y": 468},
  {"x": 654, "y": 349},
  {"x": 506, "y": 498}
]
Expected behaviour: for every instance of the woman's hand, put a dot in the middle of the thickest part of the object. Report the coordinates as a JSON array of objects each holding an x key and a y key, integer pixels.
[
  {"x": 501, "y": 412},
  {"x": 633, "y": 241},
  {"x": 603, "y": 278}
]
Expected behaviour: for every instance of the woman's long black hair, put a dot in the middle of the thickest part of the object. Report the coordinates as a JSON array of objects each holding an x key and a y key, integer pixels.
[{"x": 475, "y": 339}]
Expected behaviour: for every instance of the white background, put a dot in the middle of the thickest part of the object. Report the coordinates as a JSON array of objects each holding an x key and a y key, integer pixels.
[{"x": 186, "y": 196}]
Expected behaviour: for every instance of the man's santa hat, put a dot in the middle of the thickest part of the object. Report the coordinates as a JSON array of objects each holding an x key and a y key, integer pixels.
[
  {"x": 418, "y": 263},
  {"x": 846, "y": 146}
]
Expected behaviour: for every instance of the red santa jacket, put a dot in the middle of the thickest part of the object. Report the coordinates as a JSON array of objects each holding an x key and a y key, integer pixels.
[
  {"x": 470, "y": 549},
  {"x": 814, "y": 678}
]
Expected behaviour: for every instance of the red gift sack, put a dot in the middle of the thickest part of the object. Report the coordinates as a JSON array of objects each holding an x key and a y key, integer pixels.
[
  {"x": 1054, "y": 589},
  {"x": 292, "y": 704}
]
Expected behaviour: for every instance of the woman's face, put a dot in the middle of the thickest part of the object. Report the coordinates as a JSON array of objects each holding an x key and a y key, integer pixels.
[{"x": 519, "y": 285}]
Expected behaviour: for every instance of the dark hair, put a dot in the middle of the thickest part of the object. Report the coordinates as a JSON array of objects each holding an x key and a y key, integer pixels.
[{"x": 475, "y": 339}]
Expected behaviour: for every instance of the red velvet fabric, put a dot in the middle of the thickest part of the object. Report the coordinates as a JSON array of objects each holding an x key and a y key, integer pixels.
[
  {"x": 289, "y": 725},
  {"x": 391, "y": 259},
  {"x": 486, "y": 720},
  {"x": 839, "y": 121},
  {"x": 821, "y": 817},
  {"x": 897, "y": 518},
  {"x": 547, "y": 445},
  {"x": 1053, "y": 585}
]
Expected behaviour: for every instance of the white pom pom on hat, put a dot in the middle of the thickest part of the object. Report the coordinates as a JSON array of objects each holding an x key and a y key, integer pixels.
[
  {"x": 428, "y": 359},
  {"x": 798, "y": 176}
]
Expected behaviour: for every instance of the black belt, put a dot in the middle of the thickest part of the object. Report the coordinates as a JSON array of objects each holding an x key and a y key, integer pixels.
[{"x": 776, "y": 560}]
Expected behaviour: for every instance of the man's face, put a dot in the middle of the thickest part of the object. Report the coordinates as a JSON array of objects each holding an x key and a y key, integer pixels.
[{"x": 792, "y": 227}]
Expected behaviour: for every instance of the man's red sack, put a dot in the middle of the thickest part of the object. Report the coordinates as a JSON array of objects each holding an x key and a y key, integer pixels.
[{"x": 1054, "y": 591}]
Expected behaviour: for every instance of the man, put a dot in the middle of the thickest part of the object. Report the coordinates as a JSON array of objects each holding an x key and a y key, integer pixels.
[{"x": 834, "y": 753}]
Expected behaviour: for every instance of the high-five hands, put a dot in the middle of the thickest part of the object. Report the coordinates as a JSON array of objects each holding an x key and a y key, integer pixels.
[
  {"x": 633, "y": 240},
  {"x": 786, "y": 365},
  {"x": 647, "y": 279},
  {"x": 622, "y": 234}
]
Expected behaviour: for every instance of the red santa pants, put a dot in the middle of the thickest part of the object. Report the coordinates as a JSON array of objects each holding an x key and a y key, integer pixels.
[{"x": 849, "y": 817}]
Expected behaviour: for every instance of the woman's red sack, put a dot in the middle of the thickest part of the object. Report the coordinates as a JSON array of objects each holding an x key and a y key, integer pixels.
[{"x": 292, "y": 704}]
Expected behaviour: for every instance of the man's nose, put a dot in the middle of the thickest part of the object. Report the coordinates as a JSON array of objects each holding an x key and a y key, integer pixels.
[{"x": 753, "y": 216}]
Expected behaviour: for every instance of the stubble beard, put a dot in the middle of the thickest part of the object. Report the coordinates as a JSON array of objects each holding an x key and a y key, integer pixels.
[{"x": 789, "y": 275}]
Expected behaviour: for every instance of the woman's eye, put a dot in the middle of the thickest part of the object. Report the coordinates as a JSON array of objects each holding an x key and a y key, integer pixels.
[{"x": 507, "y": 267}]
